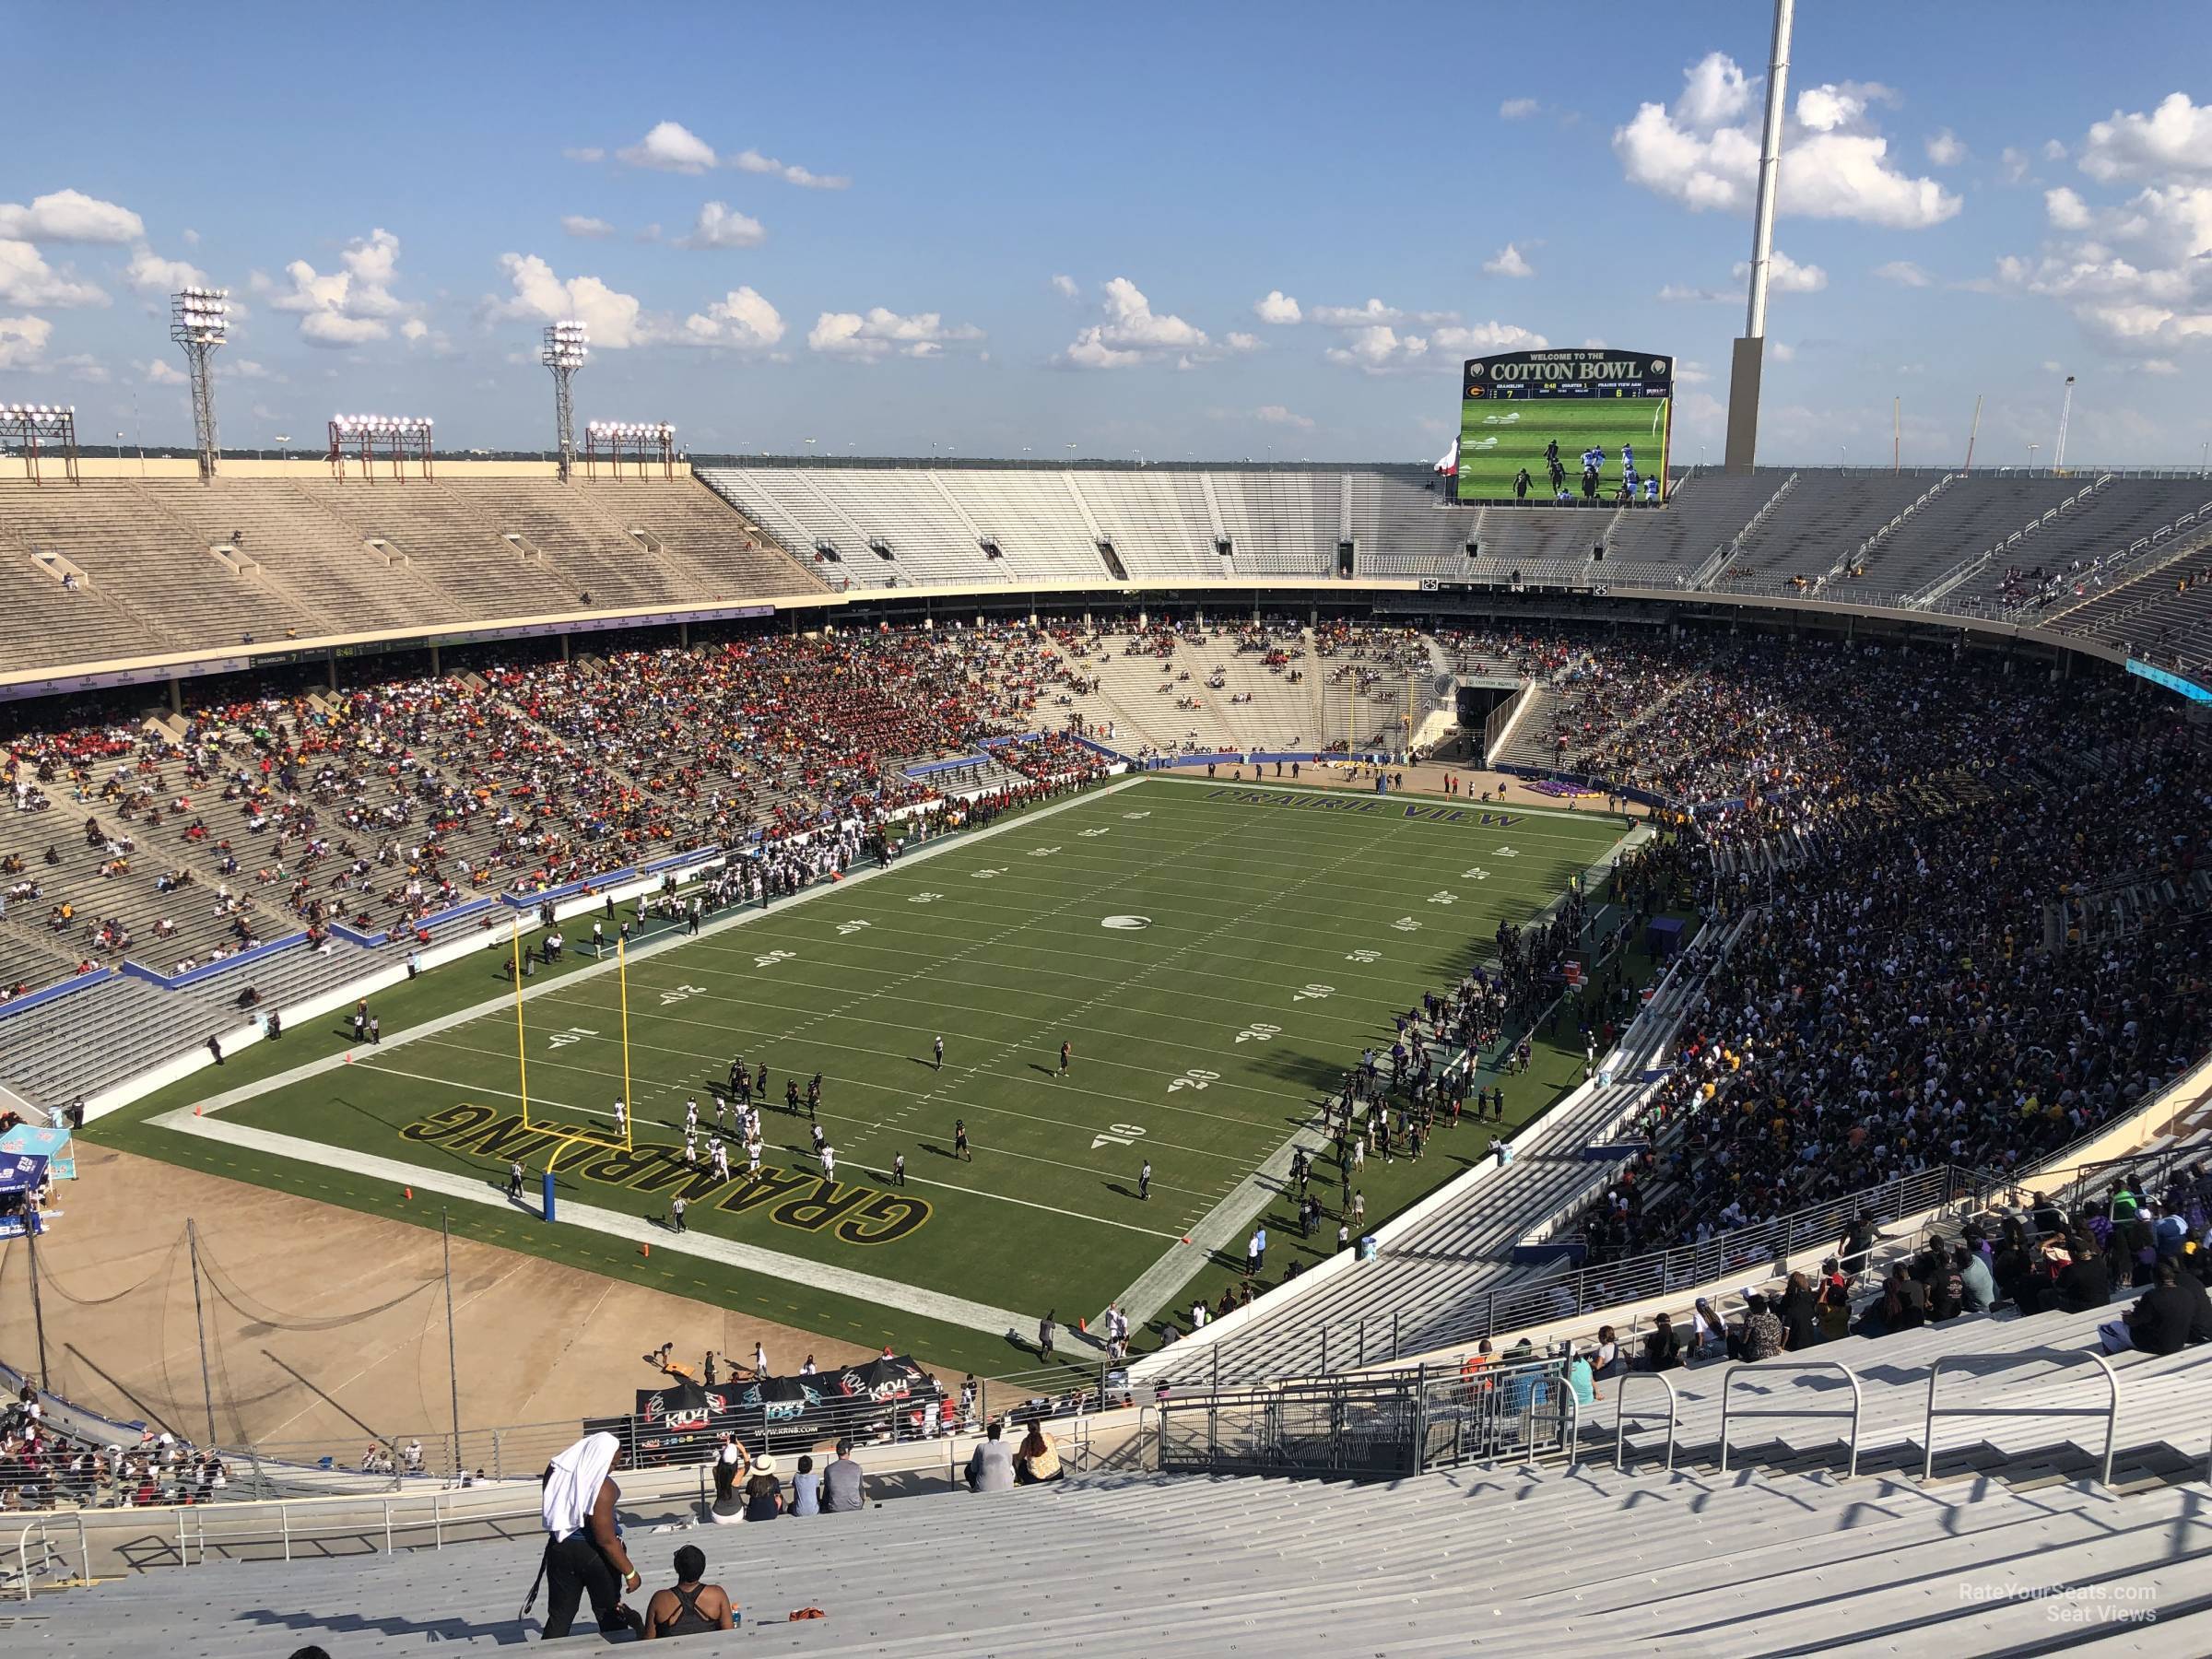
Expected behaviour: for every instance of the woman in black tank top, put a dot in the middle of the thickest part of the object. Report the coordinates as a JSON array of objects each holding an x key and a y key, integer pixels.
[{"x": 689, "y": 1608}]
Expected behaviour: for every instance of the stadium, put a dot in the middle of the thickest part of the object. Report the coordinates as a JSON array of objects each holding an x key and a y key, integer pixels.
[{"x": 1559, "y": 1044}]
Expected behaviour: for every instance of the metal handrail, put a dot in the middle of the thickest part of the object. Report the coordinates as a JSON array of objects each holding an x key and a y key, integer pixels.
[
  {"x": 1737, "y": 1374},
  {"x": 2109, "y": 1411},
  {"x": 1620, "y": 1413}
]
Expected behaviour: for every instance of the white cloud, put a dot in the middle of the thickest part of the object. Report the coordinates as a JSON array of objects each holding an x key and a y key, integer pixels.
[
  {"x": 1704, "y": 152},
  {"x": 1946, "y": 148},
  {"x": 2065, "y": 210},
  {"x": 2160, "y": 366},
  {"x": 1785, "y": 276},
  {"x": 1518, "y": 109},
  {"x": 741, "y": 320},
  {"x": 1277, "y": 307},
  {"x": 70, "y": 216},
  {"x": 1487, "y": 337},
  {"x": 26, "y": 279},
  {"x": 585, "y": 228},
  {"x": 158, "y": 372},
  {"x": 718, "y": 226},
  {"x": 414, "y": 328},
  {"x": 585, "y": 153},
  {"x": 880, "y": 333},
  {"x": 615, "y": 320},
  {"x": 1235, "y": 341},
  {"x": 1676, "y": 293},
  {"x": 2137, "y": 273},
  {"x": 2176, "y": 137},
  {"x": 2012, "y": 165},
  {"x": 1510, "y": 262},
  {"x": 1276, "y": 415},
  {"x": 247, "y": 368},
  {"x": 346, "y": 307},
  {"x": 1380, "y": 348},
  {"x": 669, "y": 146},
  {"x": 82, "y": 366},
  {"x": 23, "y": 341},
  {"x": 1375, "y": 313},
  {"x": 151, "y": 274},
  {"x": 1133, "y": 332},
  {"x": 1783, "y": 353},
  {"x": 753, "y": 161},
  {"x": 1902, "y": 272},
  {"x": 1691, "y": 373},
  {"x": 192, "y": 237},
  {"x": 1065, "y": 286}
]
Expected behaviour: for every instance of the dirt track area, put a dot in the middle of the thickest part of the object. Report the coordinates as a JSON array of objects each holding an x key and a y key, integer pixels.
[{"x": 325, "y": 1327}]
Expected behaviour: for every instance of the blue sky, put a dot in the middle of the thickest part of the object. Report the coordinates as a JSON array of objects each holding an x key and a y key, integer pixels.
[{"x": 988, "y": 227}]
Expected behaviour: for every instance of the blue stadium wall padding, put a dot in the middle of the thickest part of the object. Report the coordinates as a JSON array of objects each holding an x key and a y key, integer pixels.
[
  {"x": 37, "y": 1000},
  {"x": 198, "y": 976}
]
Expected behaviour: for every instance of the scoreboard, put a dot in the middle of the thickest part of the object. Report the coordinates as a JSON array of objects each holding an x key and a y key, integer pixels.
[{"x": 1569, "y": 374}]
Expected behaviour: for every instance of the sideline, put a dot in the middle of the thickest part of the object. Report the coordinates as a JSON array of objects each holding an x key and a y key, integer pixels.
[{"x": 205, "y": 1121}]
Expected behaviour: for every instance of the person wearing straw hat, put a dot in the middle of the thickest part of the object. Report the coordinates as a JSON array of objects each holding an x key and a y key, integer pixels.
[{"x": 764, "y": 1492}]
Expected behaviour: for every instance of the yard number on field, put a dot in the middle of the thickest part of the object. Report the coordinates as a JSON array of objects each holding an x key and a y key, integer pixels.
[
  {"x": 1441, "y": 896},
  {"x": 573, "y": 1034},
  {"x": 1407, "y": 925},
  {"x": 1043, "y": 851},
  {"x": 1477, "y": 874},
  {"x": 926, "y": 898},
  {"x": 1193, "y": 1079},
  {"x": 1313, "y": 993},
  {"x": 677, "y": 993},
  {"x": 1093, "y": 833},
  {"x": 987, "y": 875},
  {"x": 1136, "y": 815},
  {"x": 1121, "y": 1135},
  {"x": 1363, "y": 955},
  {"x": 1261, "y": 1032},
  {"x": 853, "y": 926},
  {"x": 768, "y": 959}
]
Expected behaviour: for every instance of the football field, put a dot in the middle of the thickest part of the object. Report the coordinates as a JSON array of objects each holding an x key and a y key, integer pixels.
[{"x": 1216, "y": 956}]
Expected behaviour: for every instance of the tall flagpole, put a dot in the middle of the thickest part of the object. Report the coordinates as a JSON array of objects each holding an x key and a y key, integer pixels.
[
  {"x": 192, "y": 1236},
  {"x": 452, "y": 1364}
]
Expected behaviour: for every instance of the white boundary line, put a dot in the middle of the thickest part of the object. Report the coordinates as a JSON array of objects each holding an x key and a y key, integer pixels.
[{"x": 205, "y": 1122}]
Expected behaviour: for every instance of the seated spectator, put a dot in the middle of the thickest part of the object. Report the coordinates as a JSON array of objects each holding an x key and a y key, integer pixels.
[
  {"x": 689, "y": 1608},
  {"x": 1708, "y": 1335},
  {"x": 1038, "y": 1461},
  {"x": 805, "y": 1489},
  {"x": 991, "y": 1465},
  {"x": 764, "y": 1492},
  {"x": 1758, "y": 1336},
  {"x": 1799, "y": 1310},
  {"x": 1663, "y": 1348},
  {"x": 2160, "y": 1321},
  {"x": 1978, "y": 1288},
  {"x": 844, "y": 1488},
  {"x": 1606, "y": 1360}
]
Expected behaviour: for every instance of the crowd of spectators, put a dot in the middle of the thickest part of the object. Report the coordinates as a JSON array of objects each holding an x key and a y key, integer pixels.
[{"x": 1892, "y": 1003}]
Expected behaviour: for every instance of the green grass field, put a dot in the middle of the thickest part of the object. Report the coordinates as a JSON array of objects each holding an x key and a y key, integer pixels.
[
  {"x": 1216, "y": 956},
  {"x": 1498, "y": 438}
]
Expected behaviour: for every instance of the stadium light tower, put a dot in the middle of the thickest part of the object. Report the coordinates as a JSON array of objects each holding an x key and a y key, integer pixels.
[
  {"x": 1749, "y": 357},
  {"x": 199, "y": 321},
  {"x": 566, "y": 347}
]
